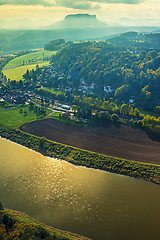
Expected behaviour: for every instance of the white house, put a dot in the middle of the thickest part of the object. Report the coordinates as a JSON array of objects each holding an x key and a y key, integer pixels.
[
  {"x": 108, "y": 89},
  {"x": 132, "y": 99}
]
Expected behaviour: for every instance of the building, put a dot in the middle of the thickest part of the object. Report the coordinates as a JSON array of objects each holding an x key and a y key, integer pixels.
[
  {"x": 108, "y": 89},
  {"x": 66, "y": 107}
]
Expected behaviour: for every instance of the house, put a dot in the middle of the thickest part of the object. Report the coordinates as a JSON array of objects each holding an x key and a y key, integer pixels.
[
  {"x": 66, "y": 107},
  {"x": 60, "y": 78},
  {"x": 132, "y": 99},
  {"x": 108, "y": 89},
  {"x": 66, "y": 114},
  {"x": 1, "y": 101},
  {"x": 84, "y": 87},
  {"x": 69, "y": 89}
]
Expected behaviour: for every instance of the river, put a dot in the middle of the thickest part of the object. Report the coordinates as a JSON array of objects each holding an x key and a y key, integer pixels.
[{"x": 94, "y": 203}]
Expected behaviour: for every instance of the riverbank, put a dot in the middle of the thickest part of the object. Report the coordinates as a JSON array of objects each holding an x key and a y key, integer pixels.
[
  {"x": 21, "y": 226},
  {"x": 148, "y": 172},
  {"x": 108, "y": 138}
]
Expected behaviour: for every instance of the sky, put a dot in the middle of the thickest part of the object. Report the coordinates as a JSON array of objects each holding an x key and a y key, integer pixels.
[{"x": 33, "y": 14}]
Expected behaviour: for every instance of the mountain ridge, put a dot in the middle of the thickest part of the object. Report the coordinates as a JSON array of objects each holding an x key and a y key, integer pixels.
[{"x": 78, "y": 21}]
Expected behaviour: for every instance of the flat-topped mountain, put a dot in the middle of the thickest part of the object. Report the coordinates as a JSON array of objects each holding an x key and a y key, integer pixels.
[{"x": 78, "y": 21}]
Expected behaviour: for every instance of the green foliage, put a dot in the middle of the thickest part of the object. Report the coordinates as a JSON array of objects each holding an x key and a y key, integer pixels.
[
  {"x": 123, "y": 69},
  {"x": 4, "y": 105},
  {"x": 115, "y": 117},
  {"x": 122, "y": 92},
  {"x": 1, "y": 206},
  {"x": 8, "y": 221},
  {"x": 158, "y": 109},
  {"x": 17, "y": 225},
  {"x": 104, "y": 115},
  {"x": 151, "y": 122},
  {"x": 116, "y": 165},
  {"x": 124, "y": 109},
  {"x": 55, "y": 45}
]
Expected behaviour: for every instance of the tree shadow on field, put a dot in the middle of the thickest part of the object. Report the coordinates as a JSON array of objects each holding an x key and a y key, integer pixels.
[
  {"x": 106, "y": 124},
  {"x": 155, "y": 136}
]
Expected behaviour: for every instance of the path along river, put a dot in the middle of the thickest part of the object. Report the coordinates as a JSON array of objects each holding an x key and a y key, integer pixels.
[{"x": 90, "y": 202}]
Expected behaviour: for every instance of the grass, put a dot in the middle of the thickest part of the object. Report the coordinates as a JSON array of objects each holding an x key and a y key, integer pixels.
[
  {"x": 52, "y": 91},
  {"x": 13, "y": 118},
  {"x": 4, "y": 105},
  {"x": 31, "y": 56},
  {"x": 18, "y": 72}
]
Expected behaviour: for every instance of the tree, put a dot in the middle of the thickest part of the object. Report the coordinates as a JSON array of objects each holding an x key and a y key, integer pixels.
[
  {"x": 31, "y": 106},
  {"x": 124, "y": 109},
  {"x": 115, "y": 117},
  {"x": 158, "y": 109},
  {"x": 25, "y": 113},
  {"x": 1, "y": 206},
  {"x": 122, "y": 92},
  {"x": 104, "y": 115}
]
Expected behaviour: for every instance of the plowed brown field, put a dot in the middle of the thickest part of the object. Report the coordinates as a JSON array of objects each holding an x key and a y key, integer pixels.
[{"x": 111, "y": 139}]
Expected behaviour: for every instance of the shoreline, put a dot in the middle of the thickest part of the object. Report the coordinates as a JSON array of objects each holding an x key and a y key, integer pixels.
[
  {"x": 107, "y": 138},
  {"x": 67, "y": 162},
  {"x": 80, "y": 157}
]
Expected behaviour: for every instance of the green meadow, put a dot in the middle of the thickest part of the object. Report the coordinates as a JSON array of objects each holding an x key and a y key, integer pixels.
[
  {"x": 52, "y": 91},
  {"x": 18, "y": 72},
  {"x": 30, "y": 57},
  {"x": 13, "y": 118}
]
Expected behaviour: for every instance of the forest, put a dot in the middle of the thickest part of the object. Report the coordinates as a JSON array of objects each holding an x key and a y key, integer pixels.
[{"x": 131, "y": 72}]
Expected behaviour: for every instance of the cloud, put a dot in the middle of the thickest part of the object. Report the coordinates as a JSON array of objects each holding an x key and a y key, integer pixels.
[
  {"x": 29, "y": 2},
  {"x": 76, "y": 4},
  {"x": 90, "y": 4}
]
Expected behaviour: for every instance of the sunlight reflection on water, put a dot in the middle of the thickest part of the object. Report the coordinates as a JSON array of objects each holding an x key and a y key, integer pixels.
[{"x": 93, "y": 203}]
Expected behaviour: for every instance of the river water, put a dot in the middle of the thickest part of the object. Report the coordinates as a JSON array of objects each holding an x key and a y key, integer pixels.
[{"x": 93, "y": 203}]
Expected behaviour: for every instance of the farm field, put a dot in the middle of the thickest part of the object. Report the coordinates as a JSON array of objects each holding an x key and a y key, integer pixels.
[
  {"x": 18, "y": 72},
  {"x": 30, "y": 57},
  {"x": 115, "y": 140},
  {"x": 13, "y": 118}
]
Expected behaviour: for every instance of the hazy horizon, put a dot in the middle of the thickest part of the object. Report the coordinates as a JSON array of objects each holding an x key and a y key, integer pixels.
[{"x": 27, "y": 14}]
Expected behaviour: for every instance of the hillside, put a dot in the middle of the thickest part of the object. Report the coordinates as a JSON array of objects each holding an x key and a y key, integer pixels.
[
  {"x": 14, "y": 40},
  {"x": 132, "y": 71},
  {"x": 136, "y": 40},
  {"x": 17, "y": 225}
]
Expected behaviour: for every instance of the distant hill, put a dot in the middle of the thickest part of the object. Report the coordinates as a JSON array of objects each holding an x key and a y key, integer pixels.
[
  {"x": 136, "y": 40},
  {"x": 15, "y": 40},
  {"x": 77, "y": 21}
]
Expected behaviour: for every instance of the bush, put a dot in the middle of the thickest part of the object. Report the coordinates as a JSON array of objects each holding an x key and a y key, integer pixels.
[
  {"x": 1, "y": 206},
  {"x": 115, "y": 117},
  {"x": 8, "y": 221}
]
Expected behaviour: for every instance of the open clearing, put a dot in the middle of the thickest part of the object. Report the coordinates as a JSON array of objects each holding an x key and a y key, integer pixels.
[
  {"x": 30, "y": 57},
  {"x": 110, "y": 139},
  {"x": 18, "y": 72},
  {"x": 13, "y": 118},
  {"x": 56, "y": 92}
]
